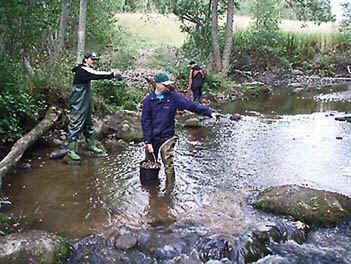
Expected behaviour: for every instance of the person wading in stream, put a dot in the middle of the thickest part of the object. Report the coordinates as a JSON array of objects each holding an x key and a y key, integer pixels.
[
  {"x": 81, "y": 105},
  {"x": 157, "y": 121},
  {"x": 196, "y": 80}
]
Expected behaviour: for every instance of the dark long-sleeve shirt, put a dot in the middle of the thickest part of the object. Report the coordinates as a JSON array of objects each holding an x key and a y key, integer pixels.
[
  {"x": 158, "y": 115},
  {"x": 85, "y": 74}
]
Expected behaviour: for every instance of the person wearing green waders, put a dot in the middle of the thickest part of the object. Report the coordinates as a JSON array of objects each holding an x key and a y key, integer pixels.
[{"x": 81, "y": 105}]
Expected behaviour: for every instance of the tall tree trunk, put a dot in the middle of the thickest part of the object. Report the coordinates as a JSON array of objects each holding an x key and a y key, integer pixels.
[
  {"x": 228, "y": 35},
  {"x": 27, "y": 66},
  {"x": 63, "y": 23},
  {"x": 214, "y": 33},
  {"x": 81, "y": 29},
  {"x": 205, "y": 39}
]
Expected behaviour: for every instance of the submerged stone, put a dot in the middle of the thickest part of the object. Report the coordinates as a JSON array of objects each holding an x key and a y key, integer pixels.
[
  {"x": 9, "y": 223},
  {"x": 125, "y": 242},
  {"x": 58, "y": 154},
  {"x": 217, "y": 248}
]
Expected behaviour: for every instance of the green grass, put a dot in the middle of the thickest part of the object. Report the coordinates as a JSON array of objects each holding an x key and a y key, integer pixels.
[{"x": 151, "y": 30}]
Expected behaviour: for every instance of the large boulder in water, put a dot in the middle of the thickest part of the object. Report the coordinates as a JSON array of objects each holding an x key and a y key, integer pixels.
[
  {"x": 33, "y": 247},
  {"x": 305, "y": 204}
]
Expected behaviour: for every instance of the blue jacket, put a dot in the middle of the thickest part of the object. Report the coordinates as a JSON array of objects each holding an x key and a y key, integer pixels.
[{"x": 157, "y": 119}]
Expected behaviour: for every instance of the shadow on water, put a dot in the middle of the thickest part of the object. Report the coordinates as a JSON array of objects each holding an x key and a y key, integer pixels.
[{"x": 290, "y": 138}]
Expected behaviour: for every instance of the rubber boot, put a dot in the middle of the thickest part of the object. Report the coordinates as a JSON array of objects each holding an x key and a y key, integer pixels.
[
  {"x": 72, "y": 151},
  {"x": 91, "y": 146}
]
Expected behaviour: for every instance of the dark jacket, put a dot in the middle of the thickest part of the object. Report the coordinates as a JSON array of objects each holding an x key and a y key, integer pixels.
[
  {"x": 84, "y": 74},
  {"x": 157, "y": 118},
  {"x": 197, "y": 77}
]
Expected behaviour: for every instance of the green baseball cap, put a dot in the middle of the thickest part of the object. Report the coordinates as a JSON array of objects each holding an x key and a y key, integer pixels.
[{"x": 162, "y": 78}]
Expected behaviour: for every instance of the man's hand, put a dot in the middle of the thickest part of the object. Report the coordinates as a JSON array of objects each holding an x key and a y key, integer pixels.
[
  {"x": 149, "y": 148},
  {"x": 216, "y": 115},
  {"x": 117, "y": 74}
]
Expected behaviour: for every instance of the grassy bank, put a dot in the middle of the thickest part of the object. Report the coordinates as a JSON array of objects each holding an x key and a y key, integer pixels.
[{"x": 151, "y": 30}]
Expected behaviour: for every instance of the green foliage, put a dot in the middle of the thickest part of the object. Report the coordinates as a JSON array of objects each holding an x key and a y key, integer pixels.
[
  {"x": 113, "y": 94},
  {"x": 25, "y": 25},
  {"x": 314, "y": 10},
  {"x": 267, "y": 15},
  {"x": 313, "y": 53},
  {"x": 101, "y": 21},
  {"x": 181, "y": 72},
  {"x": 345, "y": 25},
  {"x": 17, "y": 107}
]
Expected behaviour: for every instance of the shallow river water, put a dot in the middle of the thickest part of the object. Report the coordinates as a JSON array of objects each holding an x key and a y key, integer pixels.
[{"x": 286, "y": 139}]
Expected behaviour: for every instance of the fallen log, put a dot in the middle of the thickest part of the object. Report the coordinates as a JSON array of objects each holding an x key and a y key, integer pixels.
[{"x": 26, "y": 141}]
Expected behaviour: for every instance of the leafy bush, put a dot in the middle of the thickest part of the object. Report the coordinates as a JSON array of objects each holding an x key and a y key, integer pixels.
[{"x": 18, "y": 109}]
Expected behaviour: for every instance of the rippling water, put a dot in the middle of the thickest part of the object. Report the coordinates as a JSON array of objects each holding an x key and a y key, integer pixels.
[{"x": 288, "y": 139}]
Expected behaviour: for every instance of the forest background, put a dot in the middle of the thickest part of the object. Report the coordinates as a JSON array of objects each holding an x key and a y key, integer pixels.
[{"x": 38, "y": 48}]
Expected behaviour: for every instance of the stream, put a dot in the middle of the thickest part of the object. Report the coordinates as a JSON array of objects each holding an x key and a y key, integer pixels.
[{"x": 289, "y": 138}]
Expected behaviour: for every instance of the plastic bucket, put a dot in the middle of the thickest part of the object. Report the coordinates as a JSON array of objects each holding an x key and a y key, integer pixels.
[{"x": 149, "y": 176}]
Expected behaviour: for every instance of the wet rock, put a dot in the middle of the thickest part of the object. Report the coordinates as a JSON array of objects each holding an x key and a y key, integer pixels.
[
  {"x": 235, "y": 117},
  {"x": 222, "y": 261},
  {"x": 192, "y": 259},
  {"x": 25, "y": 166},
  {"x": 216, "y": 248},
  {"x": 4, "y": 203},
  {"x": 33, "y": 247},
  {"x": 166, "y": 246},
  {"x": 90, "y": 154},
  {"x": 273, "y": 259},
  {"x": 125, "y": 242},
  {"x": 58, "y": 154},
  {"x": 9, "y": 223},
  {"x": 305, "y": 204},
  {"x": 343, "y": 118},
  {"x": 256, "y": 89},
  {"x": 97, "y": 250},
  {"x": 125, "y": 125},
  {"x": 256, "y": 244},
  {"x": 192, "y": 122},
  {"x": 115, "y": 145}
]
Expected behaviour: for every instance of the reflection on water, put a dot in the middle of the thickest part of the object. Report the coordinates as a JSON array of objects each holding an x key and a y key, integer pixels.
[
  {"x": 284, "y": 102},
  {"x": 290, "y": 139}
]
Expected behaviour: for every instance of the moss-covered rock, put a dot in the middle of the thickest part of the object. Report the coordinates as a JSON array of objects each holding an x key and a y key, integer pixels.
[
  {"x": 192, "y": 122},
  {"x": 116, "y": 145},
  {"x": 125, "y": 125},
  {"x": 9, "y": 223},
  {"x": 305, "y": 204},
  {"x": 33, "y": 247},
  {"x": 256, "y": 89}
]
